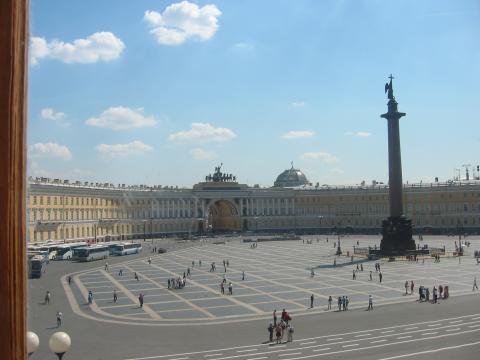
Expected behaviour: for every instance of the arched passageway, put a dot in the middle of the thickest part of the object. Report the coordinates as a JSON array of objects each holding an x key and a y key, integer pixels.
[{"x": 223, "y": 217}]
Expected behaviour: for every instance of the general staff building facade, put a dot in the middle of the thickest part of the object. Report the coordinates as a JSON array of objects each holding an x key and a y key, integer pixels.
[{"x": 60, "y": 210}]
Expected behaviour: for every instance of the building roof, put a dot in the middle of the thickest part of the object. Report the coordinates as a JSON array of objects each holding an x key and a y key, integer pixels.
[{"x": 291, "y": 178}]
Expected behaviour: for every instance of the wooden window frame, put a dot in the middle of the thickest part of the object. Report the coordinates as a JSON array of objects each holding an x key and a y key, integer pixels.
[{"x": 13, "y": 101}]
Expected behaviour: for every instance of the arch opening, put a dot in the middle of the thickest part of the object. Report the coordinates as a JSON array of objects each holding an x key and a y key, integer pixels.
[{"x": 223, "y": 217}]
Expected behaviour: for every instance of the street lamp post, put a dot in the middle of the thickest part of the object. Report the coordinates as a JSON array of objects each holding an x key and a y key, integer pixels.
[
  {"x": 144, "y": 229},
  {"x": 59, "y": 343},
  {"x": 32, "y": 343},
  {"x": 320, "y": 223},
  {"x": 151, "y": 229}
]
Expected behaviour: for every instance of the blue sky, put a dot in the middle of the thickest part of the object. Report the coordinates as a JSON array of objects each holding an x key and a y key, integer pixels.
[{"x": 160, "y": 92}]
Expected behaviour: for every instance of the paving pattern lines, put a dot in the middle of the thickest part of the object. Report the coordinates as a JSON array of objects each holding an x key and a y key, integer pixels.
[
  {"x": 232, "y": 299},
  {"x": 387, "y": 271},
  {"x": 266, "y": 280},
  {"x": 271, "y": 351},
  {"x": 289, "y": 268},
  {"x": 84, "y": 294},
  {"x": 175, "y": 262},
  {"x": 187, "y": 302}
]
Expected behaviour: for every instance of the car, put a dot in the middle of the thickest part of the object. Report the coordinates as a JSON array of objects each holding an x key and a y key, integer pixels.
[{"x": 161, "y": 250}]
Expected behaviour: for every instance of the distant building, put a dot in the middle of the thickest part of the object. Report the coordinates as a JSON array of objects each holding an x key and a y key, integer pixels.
[{"x": 66, "y": 210}]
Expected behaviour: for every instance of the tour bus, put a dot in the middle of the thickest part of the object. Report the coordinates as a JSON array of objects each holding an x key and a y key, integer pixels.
[
  {"x": 111, "y": 246},
  {"x": 65, "y": 251},
  {"x": 90, "y": 253},
  {"x": 51, "y": 248},
  {"x": 36, "y": 266},
  {"x": 127, "y": 248}
]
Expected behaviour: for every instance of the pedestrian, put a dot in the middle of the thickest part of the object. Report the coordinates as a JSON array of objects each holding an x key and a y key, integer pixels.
[
  {"x": 412, "y": 286},
  {"x": 370, "y": 302},
  {"x": 243, "y": 275},
  {"x": 106, "y": 266},
  {"x": 278, "y": 333},
  {"x": 199, "y": 262},
  {"x": 168, "y": 283},
  {"x": 311, "y": 301},
  {"x": 188, "y": 272},
  {"x": 380, "y": 276},
  {"x": 140, "y": 300},
  {"x": 312, "y": 273},
  {"x": 275, "y": 317},
  {"x": 270, "y": 332},
  {"x": 354, "y": 275},
  {"x": 69, "y": 279},
  {"x": 47, "y": 297},
  {"x": 228, "y": 263},
  {"x": 59, "y": 318},
  {"x": 475, "y": 283},
  {"x": 361, "y": 267},
  {"x": 120, "y": 272},
  {"x": 346, "y": 302},
  {"x": 115, "y": 296},
  {"x": 290, "y": 333},
  {"x": 150, "y": 261},
  {"x": 222, "y": 288},
  {"x": 90, "y": 297},
  {"x": 193, "y": 264},
  {"x": 370, "y": 275},
  {"x": 339, "y": 303},
  {"x": 230, "y": 289},
  {"x": 136, "y": 276},
  {"x": 329, "y": 303},
  {"x": 406, "y": 287},
  {"x": 435, "y": 295}
]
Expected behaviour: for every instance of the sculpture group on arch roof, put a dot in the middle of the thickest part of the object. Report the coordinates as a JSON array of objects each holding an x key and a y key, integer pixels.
[{"x": 218, "y": 176}]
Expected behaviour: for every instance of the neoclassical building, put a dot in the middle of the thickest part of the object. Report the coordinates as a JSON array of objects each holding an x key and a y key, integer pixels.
[{"x": 62, "y": 210}]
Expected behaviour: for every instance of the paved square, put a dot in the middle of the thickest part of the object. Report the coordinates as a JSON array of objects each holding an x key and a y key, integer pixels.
[{"x": 277, "y": 276}]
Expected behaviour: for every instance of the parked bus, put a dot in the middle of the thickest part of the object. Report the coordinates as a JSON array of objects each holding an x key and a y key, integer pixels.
[
  {"x": 36, "y": 266},
  {"x": 127, "y": 248},
  {"x": 90, "y": 253},
  {"x": 111, "y": 246},
  {"x": 65, "y": 251},
  {"x": 51, "y": 248}
]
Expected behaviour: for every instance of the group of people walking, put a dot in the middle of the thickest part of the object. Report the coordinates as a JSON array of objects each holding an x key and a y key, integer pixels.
[{"x": 279, "y": 328}]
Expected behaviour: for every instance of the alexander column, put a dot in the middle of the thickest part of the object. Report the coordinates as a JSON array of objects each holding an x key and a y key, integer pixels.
[{"x": 396, "y": 230}]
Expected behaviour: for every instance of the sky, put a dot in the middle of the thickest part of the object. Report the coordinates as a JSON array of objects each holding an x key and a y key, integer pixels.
[{"x": 160, "y": 92}]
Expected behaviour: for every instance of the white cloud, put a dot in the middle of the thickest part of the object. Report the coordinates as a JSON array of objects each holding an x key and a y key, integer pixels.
[
  {"x": 55, "y": 116},
  {"x": 202, "y": 154},
  {"x": 322, "y": 156},
  {"x": 302, "y": 134},
  {"x": 100, "y": 46},
  {"x": 183, "y": 20},
  {"x": 203, "y": 132},
  {"x": 49, "y": 151},
  {"x": 242, "y": 47},
  {"x": 298, "y": 104},
  {"x": 123, "y": 150},
  {"x": 122, "y": 118},
  {"x": 358, "y": 133}
]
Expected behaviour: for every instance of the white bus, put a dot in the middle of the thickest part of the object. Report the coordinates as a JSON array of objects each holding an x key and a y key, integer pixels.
[
  {"x": 126, "y": 248},
  {"x": 90, "y": 253},
  {"x": 65, "y": 251}
]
